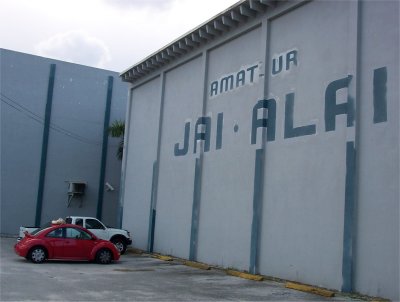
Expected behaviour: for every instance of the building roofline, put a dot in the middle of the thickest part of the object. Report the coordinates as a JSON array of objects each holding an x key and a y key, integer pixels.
[{"x": 232, "y": 17}]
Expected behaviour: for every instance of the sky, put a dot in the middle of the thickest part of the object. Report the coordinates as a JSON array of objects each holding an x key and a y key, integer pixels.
[{"x": 108, "y": 34}]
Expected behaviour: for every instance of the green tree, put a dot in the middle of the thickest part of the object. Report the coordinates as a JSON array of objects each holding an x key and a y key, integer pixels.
[{"x": 117, "y": 129}]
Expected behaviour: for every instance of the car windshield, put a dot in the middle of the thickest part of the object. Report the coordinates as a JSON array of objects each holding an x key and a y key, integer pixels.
[{"x": 45, "y": 226}]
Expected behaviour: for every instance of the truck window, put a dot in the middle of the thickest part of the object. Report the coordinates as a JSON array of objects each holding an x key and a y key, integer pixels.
[
  {"x": 79, "y": 221},
  {"x": 94, "y": 224}
]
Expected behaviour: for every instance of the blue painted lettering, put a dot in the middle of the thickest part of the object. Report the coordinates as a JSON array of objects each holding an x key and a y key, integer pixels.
[
  {"x": 380, "y": 102},
  {"x": 240, "y": 78},
  {"x": 291, "y": 57},
  {"x": 227, "y": 82},
  {"x": 268, "y": 121},
  {"x": 332, "y": 108},
  {"x": 202, "y": 129},
  {"x": 276, "y": 70},
  {"x": 288, "y": 59},
  {"x": 290, "y": 131},
  {"x": 214, "y": 88},
  {"x": 202, "y": 132},
  {"x": 245, "y": 76},
  {"x": 183, "y": 151}
]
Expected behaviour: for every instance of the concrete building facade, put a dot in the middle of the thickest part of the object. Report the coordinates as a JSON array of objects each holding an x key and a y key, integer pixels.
[
  {"x": 267, "y": 139},
  {"x": 54, "y": 120}
]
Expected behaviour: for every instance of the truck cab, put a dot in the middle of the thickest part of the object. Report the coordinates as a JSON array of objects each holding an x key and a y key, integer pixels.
[{"x": 121, "y": 238}]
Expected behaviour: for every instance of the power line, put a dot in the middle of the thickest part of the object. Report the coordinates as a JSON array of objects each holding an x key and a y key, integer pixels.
[{"x": 30, "y": 114}]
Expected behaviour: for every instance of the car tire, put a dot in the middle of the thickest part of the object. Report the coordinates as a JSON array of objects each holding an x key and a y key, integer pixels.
[
  {"x": 37, "y": 254},
  {"x": 104, "y": 256},
  {"x": 120, "y": 245}
]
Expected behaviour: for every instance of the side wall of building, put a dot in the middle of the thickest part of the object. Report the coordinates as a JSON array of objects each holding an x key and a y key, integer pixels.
[
  {"x": 275, "y": 149},
  {"x": 75, "y": 140}
]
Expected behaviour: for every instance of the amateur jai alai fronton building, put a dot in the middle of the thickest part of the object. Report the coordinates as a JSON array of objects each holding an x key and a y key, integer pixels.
[{"x": 267, "y": 140}]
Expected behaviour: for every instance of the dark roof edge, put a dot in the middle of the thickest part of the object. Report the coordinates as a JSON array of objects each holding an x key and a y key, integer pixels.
[{"x": 232, "y": 17}]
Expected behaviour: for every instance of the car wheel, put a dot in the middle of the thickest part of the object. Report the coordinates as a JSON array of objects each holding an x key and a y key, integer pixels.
[
  {"x": 37, "y": 254},
  {"x": 104, "y": 256},
  {"x": 120, "y": 245}
]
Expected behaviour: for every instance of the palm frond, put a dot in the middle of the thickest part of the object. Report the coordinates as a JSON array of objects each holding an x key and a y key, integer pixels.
[{"x": 117, "y": 128}]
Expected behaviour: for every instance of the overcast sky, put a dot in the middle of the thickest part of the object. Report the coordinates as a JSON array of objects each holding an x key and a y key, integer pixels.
[{"x": 109, "y": 34}]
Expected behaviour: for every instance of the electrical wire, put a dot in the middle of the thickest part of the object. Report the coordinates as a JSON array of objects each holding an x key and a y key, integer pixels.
[{"x": 30, "y": 114}]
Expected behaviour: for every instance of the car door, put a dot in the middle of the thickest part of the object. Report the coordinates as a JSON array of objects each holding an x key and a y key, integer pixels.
[
  {"x": 55, "y": 241},
  {"x": 78, "y": 244},
  {"x": 97, "y": 228}
]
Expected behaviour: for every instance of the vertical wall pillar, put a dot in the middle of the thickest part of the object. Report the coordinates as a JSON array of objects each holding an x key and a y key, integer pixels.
[
  {"x": 154, "y": 183},
  {"x": 45, "y": 143},
  {"x": 352, "y": 143},
  {"x": 104, "y": 148},
  {"x": 259, "y": 165},
  {"x": 124, "y": 159},
  {"x": 257, "y": 208},
  {"x": 153, "y": 211},
  {"x": 194, "y": 231},
  {"x": 194, "y": 228}
]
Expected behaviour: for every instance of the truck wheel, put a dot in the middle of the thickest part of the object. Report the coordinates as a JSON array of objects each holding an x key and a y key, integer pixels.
[
  {"x": 104, "y": 256},
  {"x": 120, "y": 245},
  {"x": 37, "y": 254}
]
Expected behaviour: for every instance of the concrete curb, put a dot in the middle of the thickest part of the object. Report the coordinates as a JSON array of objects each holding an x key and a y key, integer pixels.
[
  {"x": 310, "y": 289},
  {"x": 244, "y": 275},
  {"x": 162, "y": 257},
  {"x": 197, "y": 265},
  {"x": 134, "y": 251},
  {"x": 288, "y": 284}
]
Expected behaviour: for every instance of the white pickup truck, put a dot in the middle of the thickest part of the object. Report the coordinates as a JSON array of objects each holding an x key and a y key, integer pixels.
[{"x": 120, "y": 238}]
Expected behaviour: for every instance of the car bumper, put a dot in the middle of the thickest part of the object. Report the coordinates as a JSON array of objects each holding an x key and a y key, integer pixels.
[{"x": 19, "y": 251}]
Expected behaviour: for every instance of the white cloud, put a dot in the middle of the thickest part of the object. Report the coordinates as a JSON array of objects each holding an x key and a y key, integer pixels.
[
  {"x": 77, "y": 47},
  {"x": 110, "y": 34},
  {"x": 132, "y": 4}
]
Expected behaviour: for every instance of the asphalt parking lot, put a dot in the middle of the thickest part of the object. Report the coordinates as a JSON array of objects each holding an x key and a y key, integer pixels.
[{"x": 133, "y": 278}]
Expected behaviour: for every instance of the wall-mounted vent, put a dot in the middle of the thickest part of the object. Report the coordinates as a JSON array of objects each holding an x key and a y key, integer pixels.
[{"x": 76, "y": 189}]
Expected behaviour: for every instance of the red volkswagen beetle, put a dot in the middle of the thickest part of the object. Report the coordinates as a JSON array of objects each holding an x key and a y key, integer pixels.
[{"x": 65, "y": 242}]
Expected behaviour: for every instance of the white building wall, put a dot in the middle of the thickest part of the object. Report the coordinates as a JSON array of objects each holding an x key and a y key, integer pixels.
[
  {"x": 141, "y": 152},
  {"x": 377, "y": 243},
  {"x": 310, "y": 196}
]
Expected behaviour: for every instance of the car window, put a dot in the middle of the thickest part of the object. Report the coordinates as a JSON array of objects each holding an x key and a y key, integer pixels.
[
  {"x": 94, "y": 224},
  {"x": 77, "y": 234},
  {"x": 44, "y": 227},
  {"x": 57, "y": 233},
  {"x": 79, "y": 221}
]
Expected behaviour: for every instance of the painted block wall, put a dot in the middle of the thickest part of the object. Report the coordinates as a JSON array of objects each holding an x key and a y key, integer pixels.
[
  {"x": 141, "y": 148},
  {"x": 176, "y": 174},
  {"x": 74, "y": 143},
  {"x": 304, "y": 185},
  {"x": 306, "y": 189},
  {"x": 227, "y": 189},
  {"x": 377, "y": 242}
]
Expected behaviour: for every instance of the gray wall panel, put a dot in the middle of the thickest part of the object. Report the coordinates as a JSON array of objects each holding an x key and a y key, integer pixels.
[
  {"x": 227, "y": 183},
  {"x": 75, "y": 139},
  {"x": 182, "y": 103},
  {"x": 304, "y": 188},
  {"x": 377, "y": 245},
  {"x": 21, "y": 137},
  {"x": 142, "y": 153}
]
